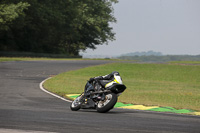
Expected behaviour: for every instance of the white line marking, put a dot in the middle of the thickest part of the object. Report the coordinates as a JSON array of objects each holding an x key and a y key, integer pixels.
[{"x": 41, "y": 87}]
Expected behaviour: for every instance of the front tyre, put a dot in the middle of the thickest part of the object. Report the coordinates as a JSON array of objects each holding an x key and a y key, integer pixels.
[
  {"x": 76, "y": 104},
  {"x": 107, "y": 104}
]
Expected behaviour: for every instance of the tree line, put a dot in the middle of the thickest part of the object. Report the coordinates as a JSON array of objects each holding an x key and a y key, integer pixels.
[{"x": 55, "y": 26}]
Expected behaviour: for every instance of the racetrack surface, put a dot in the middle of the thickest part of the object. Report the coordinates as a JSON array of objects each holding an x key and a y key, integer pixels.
[{"x": 25, "y": 108}]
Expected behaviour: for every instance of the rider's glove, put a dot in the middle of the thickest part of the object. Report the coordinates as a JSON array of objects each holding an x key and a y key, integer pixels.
[{"x": 91, "y": 80}]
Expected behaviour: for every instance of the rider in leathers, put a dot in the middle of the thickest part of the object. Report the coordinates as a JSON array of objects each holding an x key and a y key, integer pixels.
[{"x": 108, "y": 80}]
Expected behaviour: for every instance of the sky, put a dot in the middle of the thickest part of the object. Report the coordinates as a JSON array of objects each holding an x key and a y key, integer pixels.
[{"x": 168, "y": 26}]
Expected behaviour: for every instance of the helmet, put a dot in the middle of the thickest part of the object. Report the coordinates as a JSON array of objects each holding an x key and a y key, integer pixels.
[
  {"x": 117, "y": 77},
  {"x": 115, "y": 73}
]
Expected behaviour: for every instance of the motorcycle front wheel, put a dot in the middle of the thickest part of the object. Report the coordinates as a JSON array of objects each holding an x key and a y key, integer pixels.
[
  {"x": 76, "y": 104},
  {"x": 107, "y": 104}
]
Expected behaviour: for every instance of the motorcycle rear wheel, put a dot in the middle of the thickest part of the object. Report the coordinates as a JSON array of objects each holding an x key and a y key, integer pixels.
[{"x": 107, "y": 104}]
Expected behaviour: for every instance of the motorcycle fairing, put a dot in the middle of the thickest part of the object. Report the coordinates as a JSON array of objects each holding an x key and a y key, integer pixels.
[{"x": 117, "y": 88}]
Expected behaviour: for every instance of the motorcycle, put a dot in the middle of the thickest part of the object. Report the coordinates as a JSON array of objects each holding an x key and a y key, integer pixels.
[{"x": 95, "y": 96}]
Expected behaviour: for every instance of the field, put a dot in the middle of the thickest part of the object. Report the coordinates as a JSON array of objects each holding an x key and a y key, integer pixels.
[
  {"x": 44, "y": 58},
  {"x": 186, "y": 62},
  {"x": 171, "y": 85},
  {"x": 31, "y": 59}
]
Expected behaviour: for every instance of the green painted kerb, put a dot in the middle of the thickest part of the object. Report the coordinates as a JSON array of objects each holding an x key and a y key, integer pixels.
[
  {"x": 173, "y": 110},
  {"x": 149, "y": 108},
  {"x": 75, "y": 96},
  {"x": 118, "y": 105}
]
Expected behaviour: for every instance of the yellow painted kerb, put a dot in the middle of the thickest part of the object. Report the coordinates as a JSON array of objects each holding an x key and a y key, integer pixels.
[
  {"x": 69, "y": 95},
  {"x": 195, "y": 113},
  {"x": 139, "y": 107}
]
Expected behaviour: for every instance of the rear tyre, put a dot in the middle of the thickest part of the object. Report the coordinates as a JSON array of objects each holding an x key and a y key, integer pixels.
[
  {"x": 76, "y": 104},
  {"x": 107, "y": 104}
]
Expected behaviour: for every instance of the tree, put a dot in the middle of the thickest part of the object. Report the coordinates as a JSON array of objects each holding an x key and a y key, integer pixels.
[
  {"x": 9, "y": 13},
  {"x": 61, "y": 26},
  {"x": 92, "y": 24}
]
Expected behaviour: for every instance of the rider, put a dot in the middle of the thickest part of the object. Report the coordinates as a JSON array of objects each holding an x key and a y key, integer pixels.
[{"x": 108, "y": 80}]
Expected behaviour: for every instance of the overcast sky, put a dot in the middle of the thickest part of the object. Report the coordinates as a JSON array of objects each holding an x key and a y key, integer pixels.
[{"x": 167, "y": 26}]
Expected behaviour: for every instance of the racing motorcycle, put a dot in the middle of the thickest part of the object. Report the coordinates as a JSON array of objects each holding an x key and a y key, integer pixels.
[{"x": 95, "y": 96}]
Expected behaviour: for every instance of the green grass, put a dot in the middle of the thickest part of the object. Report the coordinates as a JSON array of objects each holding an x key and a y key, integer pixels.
[
  {"x": 9, "y": 59},
  {"x": 31, "y": 59},
  {"x": 186, "y": 62},
  {"x": 149, "y": 84}
]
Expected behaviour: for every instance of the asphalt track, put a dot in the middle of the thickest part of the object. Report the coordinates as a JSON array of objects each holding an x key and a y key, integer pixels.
[{"x": 25, "y": 108}]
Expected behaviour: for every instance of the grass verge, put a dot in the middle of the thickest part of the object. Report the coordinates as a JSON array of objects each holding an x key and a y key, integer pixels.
[
  {"x": 186, "y": 62},
  {"x": 171, "y": 85},
  {"x": 32, "y": 59}
]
